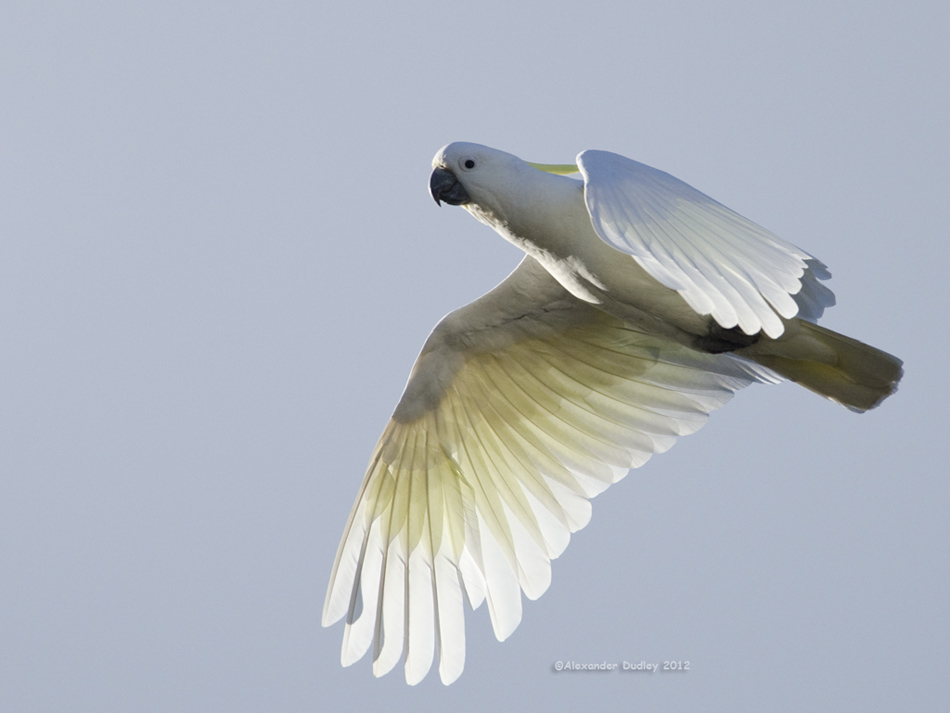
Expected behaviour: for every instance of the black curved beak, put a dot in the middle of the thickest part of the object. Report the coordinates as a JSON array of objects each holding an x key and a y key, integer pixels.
[{"x": 445, "y": 187}]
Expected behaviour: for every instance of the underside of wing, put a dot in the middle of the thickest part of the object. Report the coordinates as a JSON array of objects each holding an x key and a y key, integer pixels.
[
  {"x": 522, "y": 407},
  {"x": 721, "y": 263}
]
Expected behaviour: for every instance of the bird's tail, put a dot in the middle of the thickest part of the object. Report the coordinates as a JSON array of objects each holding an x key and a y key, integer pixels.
[{"x": 832, "y": 365}]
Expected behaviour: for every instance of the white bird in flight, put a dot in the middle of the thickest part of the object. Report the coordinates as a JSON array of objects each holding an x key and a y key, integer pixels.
[{"x": 641, "y": 306}]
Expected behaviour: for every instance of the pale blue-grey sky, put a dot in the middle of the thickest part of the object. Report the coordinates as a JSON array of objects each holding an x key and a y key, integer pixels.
[{"x": 218, "y": 260}]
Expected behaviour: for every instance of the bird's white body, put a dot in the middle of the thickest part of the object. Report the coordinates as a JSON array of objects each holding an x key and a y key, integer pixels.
[
  {"x": 641, "y": 306},
  {"x": 558, "y": 233}
]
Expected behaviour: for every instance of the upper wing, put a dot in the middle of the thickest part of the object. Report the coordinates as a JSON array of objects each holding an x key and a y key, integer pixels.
[
  {"x": 521, "y": 407},
  {"x": 721, "y": 263}
]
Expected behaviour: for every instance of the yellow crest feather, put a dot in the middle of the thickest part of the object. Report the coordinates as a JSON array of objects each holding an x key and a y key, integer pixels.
[{"x": 559, "y": 169}]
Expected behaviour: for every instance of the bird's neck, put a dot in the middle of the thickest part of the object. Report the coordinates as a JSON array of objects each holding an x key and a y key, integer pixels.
[{"x": 542, "y": 213}]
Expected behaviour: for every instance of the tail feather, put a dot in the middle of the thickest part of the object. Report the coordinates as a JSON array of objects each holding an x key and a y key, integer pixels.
[{"x": 842, "y": 369}]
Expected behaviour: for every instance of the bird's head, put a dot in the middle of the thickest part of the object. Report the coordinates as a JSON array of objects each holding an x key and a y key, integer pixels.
[
  {"x": 484, "y": 180},
  {"x": 465, "y": 173}
]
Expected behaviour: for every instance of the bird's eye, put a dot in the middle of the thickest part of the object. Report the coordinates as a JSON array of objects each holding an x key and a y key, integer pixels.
[{"x": 467, "y": 163}]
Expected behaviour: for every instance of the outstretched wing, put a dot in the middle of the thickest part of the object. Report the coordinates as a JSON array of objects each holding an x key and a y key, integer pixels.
[
  {"x": 721, "y": 263},
  {"x": 521, "y": 407}
]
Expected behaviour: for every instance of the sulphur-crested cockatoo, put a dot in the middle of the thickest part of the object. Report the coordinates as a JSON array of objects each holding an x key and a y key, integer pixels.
[{"x": 641, "y": 306}]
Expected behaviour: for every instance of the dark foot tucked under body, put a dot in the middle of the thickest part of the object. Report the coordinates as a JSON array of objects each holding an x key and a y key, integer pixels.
[{"x": 719, "y": 339}]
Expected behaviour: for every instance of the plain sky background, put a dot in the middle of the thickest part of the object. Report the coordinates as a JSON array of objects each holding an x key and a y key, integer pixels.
[{"x": 219, "y": 259}]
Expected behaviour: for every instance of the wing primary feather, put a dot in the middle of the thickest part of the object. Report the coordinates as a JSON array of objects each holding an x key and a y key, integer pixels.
[
  {"x": 451, "y": 619},
  {"x": 421, "y": 609},
  {"x": 358, "y": 631},
  {"x": 391, "y": 612},
  {"x": 503, "y": 593},
  {"x": 446, "y": 586},
  {"x": 366, "y": 575},
  {"x": 346, "y": 563}
]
